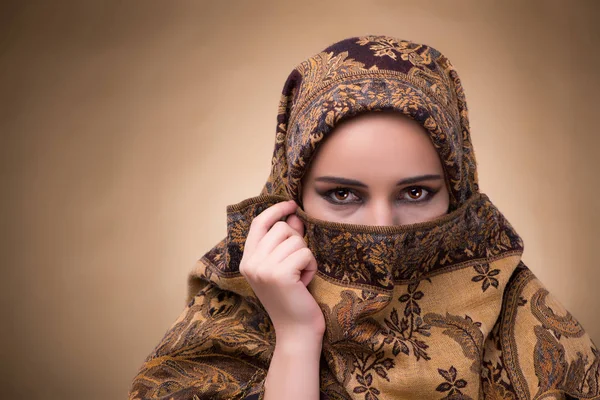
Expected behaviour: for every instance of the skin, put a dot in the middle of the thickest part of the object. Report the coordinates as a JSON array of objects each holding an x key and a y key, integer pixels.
[
  {"x": 279, "y": 266},
  {"x": 376, "y": 169}
]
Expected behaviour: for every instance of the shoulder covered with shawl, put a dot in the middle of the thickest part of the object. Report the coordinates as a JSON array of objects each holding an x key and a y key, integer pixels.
[{"x": 444, "y": 309}]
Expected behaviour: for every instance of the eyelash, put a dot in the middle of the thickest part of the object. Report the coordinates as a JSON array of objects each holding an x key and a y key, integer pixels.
[{"x": 328, "y": 195}]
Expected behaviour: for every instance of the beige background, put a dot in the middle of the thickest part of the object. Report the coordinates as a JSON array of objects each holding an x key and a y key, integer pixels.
[{"x": 127, "y": 127}]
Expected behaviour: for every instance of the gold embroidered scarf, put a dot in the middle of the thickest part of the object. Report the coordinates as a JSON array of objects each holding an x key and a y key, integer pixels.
[{"x": 437, "y": 310}]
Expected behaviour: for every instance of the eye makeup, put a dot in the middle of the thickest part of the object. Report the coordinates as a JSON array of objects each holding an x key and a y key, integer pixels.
[{"x": 344, "y": 196}]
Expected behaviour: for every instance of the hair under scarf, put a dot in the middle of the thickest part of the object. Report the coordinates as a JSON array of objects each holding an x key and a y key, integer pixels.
[{"x": 441, "y": 309}]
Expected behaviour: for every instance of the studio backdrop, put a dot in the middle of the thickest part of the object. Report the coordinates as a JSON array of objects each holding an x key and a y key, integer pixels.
[{"x": 127, "y": 127}]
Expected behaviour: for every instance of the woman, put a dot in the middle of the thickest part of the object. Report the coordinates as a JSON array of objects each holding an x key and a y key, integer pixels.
[{"x": 370, "y": 267}]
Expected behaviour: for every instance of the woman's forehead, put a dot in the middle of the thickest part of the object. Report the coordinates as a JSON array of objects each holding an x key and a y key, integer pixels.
[{"x": 377, "y": 145}]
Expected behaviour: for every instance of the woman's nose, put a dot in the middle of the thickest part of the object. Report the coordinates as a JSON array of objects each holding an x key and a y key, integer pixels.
[{"x": 381, "y": 213}]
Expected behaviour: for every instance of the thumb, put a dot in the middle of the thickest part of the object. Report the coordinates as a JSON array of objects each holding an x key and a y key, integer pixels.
[{"x": 309, "y": 272}]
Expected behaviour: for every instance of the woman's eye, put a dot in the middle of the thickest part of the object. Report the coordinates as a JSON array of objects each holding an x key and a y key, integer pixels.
[
  {"x": 341, "y": 196},
  {"x": 415, "y": 194}
]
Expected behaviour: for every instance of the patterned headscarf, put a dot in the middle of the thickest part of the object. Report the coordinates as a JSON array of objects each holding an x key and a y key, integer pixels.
[
  {"x": 438, "y": 310},
  {"x": 365, "y": 74}
]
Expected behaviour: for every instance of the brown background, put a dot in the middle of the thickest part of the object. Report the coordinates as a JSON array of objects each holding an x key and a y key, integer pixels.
[{"x": 128, "y": 126}]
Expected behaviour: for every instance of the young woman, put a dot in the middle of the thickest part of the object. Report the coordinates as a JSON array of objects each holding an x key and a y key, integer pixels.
[{"x": 371, "y": 267}]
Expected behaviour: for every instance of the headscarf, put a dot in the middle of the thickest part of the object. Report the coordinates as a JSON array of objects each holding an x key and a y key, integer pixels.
[{"x": 441, "y": 309}]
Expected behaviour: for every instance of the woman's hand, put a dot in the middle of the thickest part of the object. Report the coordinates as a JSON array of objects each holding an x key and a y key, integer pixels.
[{"x": 278, "y": 265}]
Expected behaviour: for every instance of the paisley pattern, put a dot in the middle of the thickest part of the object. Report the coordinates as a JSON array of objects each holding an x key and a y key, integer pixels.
[
  {"x": 560, "y": 325},
  {"x": 465, "y": 332},
  {"x": 213, "y": 349},
  {"x": 438, "y": 310}
]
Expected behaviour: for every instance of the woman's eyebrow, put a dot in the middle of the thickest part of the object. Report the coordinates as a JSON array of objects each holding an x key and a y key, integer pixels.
[
  {"x": 420, "y": 178},
  {"x": 340, "y": 181}
]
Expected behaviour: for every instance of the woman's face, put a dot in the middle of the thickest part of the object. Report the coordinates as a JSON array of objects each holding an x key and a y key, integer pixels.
[{"x": 376, "y": 169}]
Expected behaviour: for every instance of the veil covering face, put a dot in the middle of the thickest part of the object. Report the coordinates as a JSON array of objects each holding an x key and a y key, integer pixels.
[{"x": 441, "y": 309}]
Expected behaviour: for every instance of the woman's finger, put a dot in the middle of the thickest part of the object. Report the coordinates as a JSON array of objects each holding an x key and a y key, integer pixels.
[
  {"x": 304, "y": 263},
  {"x": 296, "y": 223},
  {"x": 287, "y": 247},
  {"x": 276, "y": 235},
  {"x": 265, "y": 220}
]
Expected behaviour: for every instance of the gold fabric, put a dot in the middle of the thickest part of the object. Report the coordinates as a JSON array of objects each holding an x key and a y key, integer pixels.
[{"x": 438, "y": 310}]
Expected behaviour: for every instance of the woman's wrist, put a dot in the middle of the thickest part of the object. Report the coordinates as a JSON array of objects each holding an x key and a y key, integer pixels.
[
  {"x": 298, "y": 341},
  {"x": 294, "y": 370}
]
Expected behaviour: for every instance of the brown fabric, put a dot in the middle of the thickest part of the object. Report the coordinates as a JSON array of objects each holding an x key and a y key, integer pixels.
[{"x": 442, "y": 309}]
